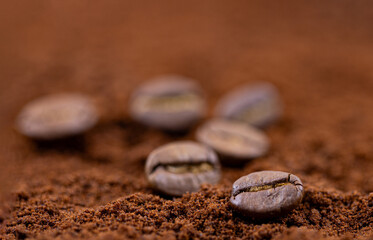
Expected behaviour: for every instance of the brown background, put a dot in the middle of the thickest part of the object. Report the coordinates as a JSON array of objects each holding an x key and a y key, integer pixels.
[{"x": 318, "y": 53}]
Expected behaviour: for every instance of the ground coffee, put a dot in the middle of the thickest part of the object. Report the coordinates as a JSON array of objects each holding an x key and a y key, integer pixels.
[{"x": 318, "y": 54}]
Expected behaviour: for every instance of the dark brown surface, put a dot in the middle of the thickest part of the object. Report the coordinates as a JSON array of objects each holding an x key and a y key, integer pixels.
[{"x": 319, "y": 54}]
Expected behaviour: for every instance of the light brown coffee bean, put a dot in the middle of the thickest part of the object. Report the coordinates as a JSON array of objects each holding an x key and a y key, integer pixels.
[
  {"x": 169, "y": 102},
  {"x": 257, "y": 104},
  {"x": 57, "y": 116},
  {"x": 235, "y": 142},
  {"x": 266, "y": 194},
  {"x": 180, "y": 167}
]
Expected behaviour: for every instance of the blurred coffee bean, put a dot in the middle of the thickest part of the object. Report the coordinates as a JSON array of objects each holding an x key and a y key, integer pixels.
[
  {"x": 57, "y": 116},
  {"x": 266, "y": 194},
  {"x": 234, "y": 141},
  {"x": 169, "y": 102},
  {"x": 256, "y": 104},
  {"x": 180, "y": 167}
]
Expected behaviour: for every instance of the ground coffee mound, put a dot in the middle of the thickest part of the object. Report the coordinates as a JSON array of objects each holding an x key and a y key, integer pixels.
[{"x": 142, "y": 214}]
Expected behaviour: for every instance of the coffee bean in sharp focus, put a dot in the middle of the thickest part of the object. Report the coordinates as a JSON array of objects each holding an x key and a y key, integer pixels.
[
  {"x": 57, "y": 116},
  {"x": 180, "y": 167},
  {"x": 235, "y": 142},
  {"x": 256, "y": 104},
  {"x": 171, "y": 102},
  {"x": 266, "y": 194}
]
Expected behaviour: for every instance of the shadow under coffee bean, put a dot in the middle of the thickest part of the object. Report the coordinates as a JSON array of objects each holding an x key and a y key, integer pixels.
[
  {"x": 266, "y": 194},
  {"x": 182, "y": 167},
  {"x": 69, "y": 145}
]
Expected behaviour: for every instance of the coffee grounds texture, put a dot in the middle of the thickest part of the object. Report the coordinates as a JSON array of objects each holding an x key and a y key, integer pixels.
[{"x": 319, "y": 54}]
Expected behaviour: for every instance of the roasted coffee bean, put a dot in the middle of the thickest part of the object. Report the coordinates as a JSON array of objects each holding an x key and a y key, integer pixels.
[
  {"x": 266, "y": 194},
  {"x": 57, "y": 116},
  {"x": 171, "y": 103},
  {"x": 256, "y": 104},
  {"x": 180, "y": 167},
  {"x": 235, "y": 142}
]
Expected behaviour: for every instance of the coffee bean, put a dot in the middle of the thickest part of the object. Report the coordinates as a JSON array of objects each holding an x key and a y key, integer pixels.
[
  {"x": 266, "y": 194},
  {"x": 256, "y": 104},
  {"x": 180, "y": 167},
  {"x": 170, "y": 102},
  {"x": 57, "y": 116},
  {"x": 235, "y": 142}
]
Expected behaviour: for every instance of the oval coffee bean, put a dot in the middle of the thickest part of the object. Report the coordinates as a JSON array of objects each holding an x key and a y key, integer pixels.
[
  {"x": 180, "y": 167},
  {"x": 256, "y": 104},
  {"x": 234, "y": 141},
  {"x": 266, "y": 194},
  {"x": 170, "y": 102},
  {"x": 57, "y": 116}
]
